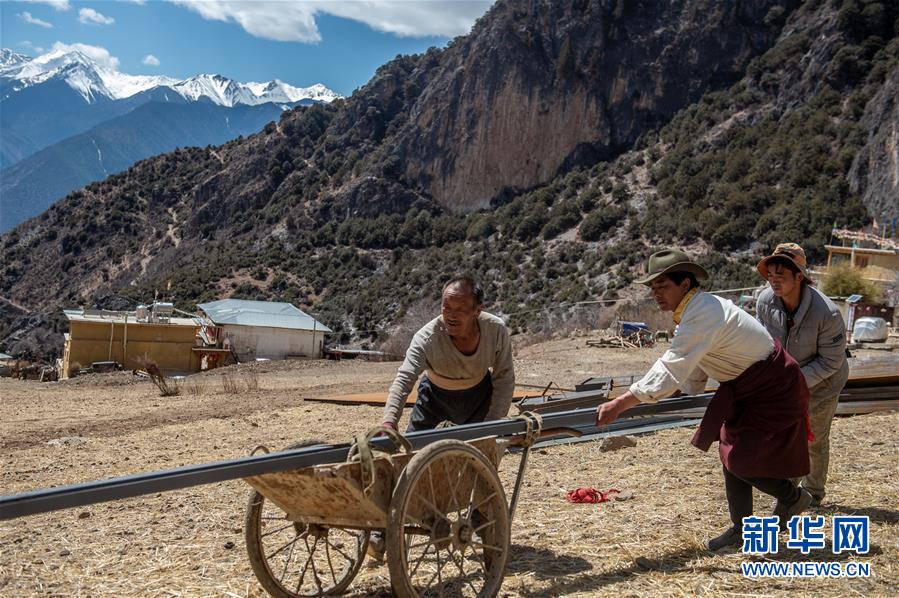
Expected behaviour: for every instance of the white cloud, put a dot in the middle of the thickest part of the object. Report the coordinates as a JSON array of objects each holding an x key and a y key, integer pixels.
[
  {"x": 91, "y": 16},
  {"x": 412, "y": 19},
  {"x": 59, "y": 5},
  {"x": 295, "y": 21},
  {"x": 36, "y": 49},
  {"x": 26, "y": 16},
  {"x": 96, "y": 53},
  {"x": 151, "y": 60},
  {"x": 281, "y": 21}
]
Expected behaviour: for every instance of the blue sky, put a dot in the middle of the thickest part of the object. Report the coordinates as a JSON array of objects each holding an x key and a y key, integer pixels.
[{"x": 337, "y": 43}]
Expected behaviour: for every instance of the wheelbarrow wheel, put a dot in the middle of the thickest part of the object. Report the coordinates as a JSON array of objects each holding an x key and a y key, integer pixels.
[
  {"x": 448, "y": 524},
  {"x": 292, "y": 559}
]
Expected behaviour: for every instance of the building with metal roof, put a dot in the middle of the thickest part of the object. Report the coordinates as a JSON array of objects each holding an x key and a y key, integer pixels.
[
  {"x": 129, "y": 337},
  {"x": 265, "y": 329}
]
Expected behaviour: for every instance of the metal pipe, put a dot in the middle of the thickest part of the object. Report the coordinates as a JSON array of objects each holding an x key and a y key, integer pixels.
[
  {"x": 111, "y": 334},
  {"x": 78, "y": 495},
  {"x": 522, "y": 465},
  {"x": 125, "y": 343}
]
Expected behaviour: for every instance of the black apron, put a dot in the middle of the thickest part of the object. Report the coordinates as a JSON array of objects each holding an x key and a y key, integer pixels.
[{"x": 435, "y": 405}]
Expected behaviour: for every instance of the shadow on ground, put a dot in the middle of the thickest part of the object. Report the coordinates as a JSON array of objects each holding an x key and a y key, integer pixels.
[{"x": 544, "y": 564}]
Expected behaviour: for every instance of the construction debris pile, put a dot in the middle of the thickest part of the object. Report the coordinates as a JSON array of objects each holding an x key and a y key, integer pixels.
[
  {"x": 629, "y": 335},
  {"x": 25, "y": 370}
]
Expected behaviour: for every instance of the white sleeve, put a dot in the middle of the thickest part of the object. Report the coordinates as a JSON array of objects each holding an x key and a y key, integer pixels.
[
  {"x": 674, "y": 369},
  {"x": 696, "y": 383}
]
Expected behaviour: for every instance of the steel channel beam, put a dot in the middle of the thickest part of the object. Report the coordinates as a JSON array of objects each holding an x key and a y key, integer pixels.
[
  {"x": 635, "y": 428},
  {"x": 78, "y": 495}
]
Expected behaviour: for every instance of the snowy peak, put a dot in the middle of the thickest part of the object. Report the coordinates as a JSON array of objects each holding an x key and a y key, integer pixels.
[
  {"x": 8, "y": 58},
  {"x": 278, "y": 91},
  {"x": 81, "y": 73},
  {"x": 216, "y": 88},
  {"x": 94, "y": 81},
  {"x": 228, "y": 92}
]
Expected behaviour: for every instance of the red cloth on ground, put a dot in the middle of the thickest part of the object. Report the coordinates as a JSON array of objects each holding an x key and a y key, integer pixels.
[
  {"x": 590, "y": 495},
  {"x": 759, "y": 419}
]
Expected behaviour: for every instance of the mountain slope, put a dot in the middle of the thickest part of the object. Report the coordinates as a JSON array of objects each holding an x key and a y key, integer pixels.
[
  {"x": 321, "y": 208},
  {"x": 27, "y": 188}
]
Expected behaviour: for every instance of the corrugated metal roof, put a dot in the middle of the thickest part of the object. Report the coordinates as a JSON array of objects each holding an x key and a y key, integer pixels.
[{"x": 272, "y": 314}]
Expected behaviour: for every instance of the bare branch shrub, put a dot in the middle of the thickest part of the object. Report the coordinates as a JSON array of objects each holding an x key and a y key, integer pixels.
[
  {"x": 167, "y": 388},
  {"x": 419, "y": 314},
  {"x": 577, "y": 319},
  {"x": 194, "y": 385},
  {"x": 242, "y": 382},
  {"x": 229, "y": 384},
  {"x": 251, "y": 380},
  {"x": 648, "y": 312}
]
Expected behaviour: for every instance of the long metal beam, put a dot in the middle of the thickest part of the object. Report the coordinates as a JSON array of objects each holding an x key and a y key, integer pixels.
[{"x": 78, "y": 495}]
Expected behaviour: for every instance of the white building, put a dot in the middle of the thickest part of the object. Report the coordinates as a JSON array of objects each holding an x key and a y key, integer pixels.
[{"x": 265, "y": 329}]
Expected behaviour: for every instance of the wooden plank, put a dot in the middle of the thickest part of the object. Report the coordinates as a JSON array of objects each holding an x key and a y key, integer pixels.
[
  {"x": 332, "y": 493},
  {"x": 879, "y": 371}
]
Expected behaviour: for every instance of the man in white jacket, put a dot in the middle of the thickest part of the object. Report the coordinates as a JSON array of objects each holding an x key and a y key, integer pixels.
[{"x": 759, "y": 412}]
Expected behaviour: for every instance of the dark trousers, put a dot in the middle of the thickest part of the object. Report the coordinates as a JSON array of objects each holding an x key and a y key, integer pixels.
[
  {"x": 739, "y": 493},
  {"x": 435, "y": 405}
]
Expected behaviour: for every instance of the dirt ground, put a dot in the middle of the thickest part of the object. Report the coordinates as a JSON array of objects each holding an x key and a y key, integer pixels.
[{"x": 190, "y": 542}]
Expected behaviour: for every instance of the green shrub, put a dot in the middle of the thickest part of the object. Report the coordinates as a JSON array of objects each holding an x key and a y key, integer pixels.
[
  {"x": 844, "y": 280},
  {"x": 599, "y": 221}
]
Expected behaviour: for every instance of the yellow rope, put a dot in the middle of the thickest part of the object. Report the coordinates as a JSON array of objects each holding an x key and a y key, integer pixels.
[
  {"x": 362, "y": 451},
  {"x": 534, "y": 422}
]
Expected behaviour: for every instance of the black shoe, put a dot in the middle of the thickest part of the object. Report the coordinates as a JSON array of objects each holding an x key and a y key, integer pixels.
[
  {"x": 816, "y": 501},
  {"x": 731, "y": 537},
  {"x": 786, "y": 512}
]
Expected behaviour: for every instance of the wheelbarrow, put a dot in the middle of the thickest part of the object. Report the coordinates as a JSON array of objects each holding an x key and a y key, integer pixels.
[{"x": 442, "y": 511}]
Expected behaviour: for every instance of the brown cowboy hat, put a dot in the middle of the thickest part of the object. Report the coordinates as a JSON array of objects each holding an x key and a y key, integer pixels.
[
  {"x": 791, "y": 252},
  {"x": 668, "y": 261}
]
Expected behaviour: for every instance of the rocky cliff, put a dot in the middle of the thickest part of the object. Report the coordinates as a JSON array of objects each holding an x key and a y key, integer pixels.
[
  {"x": 875, "y": 171},
  {"x": 540, "y": 87}
]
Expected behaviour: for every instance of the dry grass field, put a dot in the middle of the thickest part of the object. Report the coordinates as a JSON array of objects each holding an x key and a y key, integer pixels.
[{"x": 190, "y": 542}]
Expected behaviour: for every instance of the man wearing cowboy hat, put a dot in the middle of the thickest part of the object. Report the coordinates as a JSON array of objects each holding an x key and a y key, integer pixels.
[
  {"x": 811, "y": 329},
  {"x": 759, "y": 411}
]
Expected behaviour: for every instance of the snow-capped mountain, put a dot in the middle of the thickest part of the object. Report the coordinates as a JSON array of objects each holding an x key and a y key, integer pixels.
[
  {"x": 228, "y": 92},
  {"x": 67, "y": 119},
  {"x": 93, "y": 81},
  {"x": 66, "y": 92},
  {"x": 82, "y": 74},
  {"x": 9, "y": 58}
]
